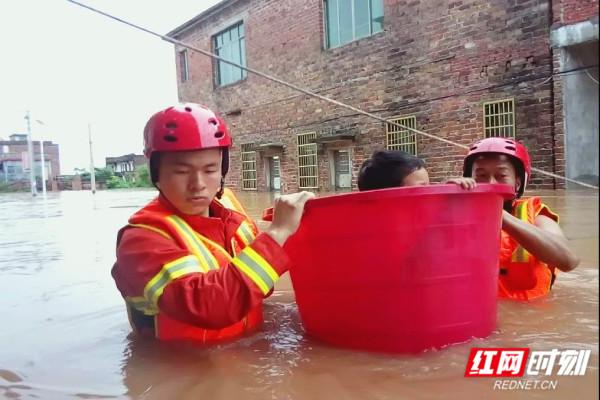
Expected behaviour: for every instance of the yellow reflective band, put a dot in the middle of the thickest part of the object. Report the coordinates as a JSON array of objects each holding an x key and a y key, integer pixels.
[
  {"x": 252, "y": 275},
  {"x": 245, "y": 233},
  {"x": 257, "y": 269},
  {"x": 169, "y": 272},
  {"x": 153, "y": 229},
  {"x": 225, "y": 202},
  {"x": 522, "y": 211},
  {"x": 257, "y": 258},
  {"x": 141, "y": 304},
  {"x": 520, "y": 254},
  {"x": 207, "y": 260},
  {"x": 228, "y": 200}
]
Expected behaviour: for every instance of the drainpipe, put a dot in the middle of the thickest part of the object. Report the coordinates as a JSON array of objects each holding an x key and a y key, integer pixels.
[{"x": 552, "y": 108}]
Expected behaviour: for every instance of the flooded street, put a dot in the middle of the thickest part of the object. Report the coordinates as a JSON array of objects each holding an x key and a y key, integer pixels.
[{"x": 65, "y": 334}]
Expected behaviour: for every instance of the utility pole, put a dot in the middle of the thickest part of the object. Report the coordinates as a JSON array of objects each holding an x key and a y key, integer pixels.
[
  {"x": 30, "y": 156},
  {"x": 43, "y": 158},
  {"x": 92, "y": 170},
  {"x": 43, "y": 167}
]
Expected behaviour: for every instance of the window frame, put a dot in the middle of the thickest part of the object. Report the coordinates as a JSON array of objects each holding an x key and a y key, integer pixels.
[
  {"x": 184, "y": 65},
  {"x": 326, "y": 41},
  {"x": 501, "y": 122},
  {"x": 242, "y": 54},
  {"x": 307, "y": 140},
  {"x": 411, "y": 137},
  {"x": 247, "y": 149}
]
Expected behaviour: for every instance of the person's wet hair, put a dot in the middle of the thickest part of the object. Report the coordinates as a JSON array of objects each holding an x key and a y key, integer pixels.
[{"x": 386, "y": 169}]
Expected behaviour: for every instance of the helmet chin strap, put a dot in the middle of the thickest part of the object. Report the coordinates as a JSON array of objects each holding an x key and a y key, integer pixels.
[
  {"x": 220, "y": 192},
  {"x": 224, "y": 170}
]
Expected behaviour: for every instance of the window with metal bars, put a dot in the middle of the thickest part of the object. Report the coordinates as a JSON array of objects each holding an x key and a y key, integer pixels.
[
  {"x": 248, "y": 167},
  {"x": 398, "y": 138},
  {"x": 499, "y": 118},
  {"x": 308, "y": 171}
]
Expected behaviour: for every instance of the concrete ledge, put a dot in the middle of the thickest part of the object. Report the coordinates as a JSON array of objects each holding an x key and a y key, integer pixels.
[{"x": 570, "y": 35}]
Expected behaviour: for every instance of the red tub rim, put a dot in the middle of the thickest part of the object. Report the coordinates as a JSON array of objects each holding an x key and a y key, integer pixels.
[{"x": 506, "y": 191}]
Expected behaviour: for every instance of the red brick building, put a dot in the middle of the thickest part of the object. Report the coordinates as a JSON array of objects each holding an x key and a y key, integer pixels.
[
  {"x": 14, "y": 163},
  {"x": 460, "y": 69}
]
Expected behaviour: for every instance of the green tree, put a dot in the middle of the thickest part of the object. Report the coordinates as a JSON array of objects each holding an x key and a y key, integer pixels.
[
  {"x": 143, "y": 177},
  {"x": 115, "y": 182},
  {"x": 103, "y": 174}
]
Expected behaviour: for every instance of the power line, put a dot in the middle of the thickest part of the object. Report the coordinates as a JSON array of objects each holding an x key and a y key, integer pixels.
[
  {"x": 300, "y": 89},
  {"x": 591, "y": 77},
  {"x": 457, "y": 94},
  {"x": 569, "y": 72}
]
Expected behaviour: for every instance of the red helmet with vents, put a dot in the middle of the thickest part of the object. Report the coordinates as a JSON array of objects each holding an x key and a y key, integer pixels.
[
  {"x": 185, "y": 127},
  {"x": 515, "y": 150}
]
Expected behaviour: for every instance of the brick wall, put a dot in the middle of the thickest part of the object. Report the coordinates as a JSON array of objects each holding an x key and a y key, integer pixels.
[
  {"x": 572, "y": 11},
  {"x": 437, "y": 61}
]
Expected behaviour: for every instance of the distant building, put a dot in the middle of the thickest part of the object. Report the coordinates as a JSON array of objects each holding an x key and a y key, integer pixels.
[
  {"x": 126, "y": 165},
  {"x": 15, "y": 164}
]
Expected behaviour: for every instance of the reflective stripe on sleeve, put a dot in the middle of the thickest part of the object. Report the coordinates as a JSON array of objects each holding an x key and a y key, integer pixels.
[
  {"x": 169, "y": 272},
  {"x": 245, "y": 233},
  {"x": 257, "y": 269}
]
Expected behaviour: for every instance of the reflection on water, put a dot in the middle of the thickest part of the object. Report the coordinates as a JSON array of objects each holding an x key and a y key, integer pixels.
[{"x": 65, "y": 334}]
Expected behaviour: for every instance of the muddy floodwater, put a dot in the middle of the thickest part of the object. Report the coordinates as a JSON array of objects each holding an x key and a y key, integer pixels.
[{"x": 64, "y": 332}]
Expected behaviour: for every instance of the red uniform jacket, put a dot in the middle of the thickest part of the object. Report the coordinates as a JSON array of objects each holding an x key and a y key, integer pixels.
[{"x": 159, "y": 276}]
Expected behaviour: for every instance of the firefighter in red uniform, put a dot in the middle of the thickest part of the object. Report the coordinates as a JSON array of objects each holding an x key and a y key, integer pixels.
[
  {"x": 533, "y": 245},
  {"x": 191, "y": 264}
]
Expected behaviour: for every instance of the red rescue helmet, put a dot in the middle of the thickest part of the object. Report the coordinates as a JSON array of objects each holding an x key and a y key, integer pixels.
[
  {"x": 184, "y": 127},
  {"x": 515, "y": 150}
]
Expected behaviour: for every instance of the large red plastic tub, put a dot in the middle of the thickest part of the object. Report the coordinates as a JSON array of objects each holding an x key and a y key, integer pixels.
[{"x": 399, "y": 270}]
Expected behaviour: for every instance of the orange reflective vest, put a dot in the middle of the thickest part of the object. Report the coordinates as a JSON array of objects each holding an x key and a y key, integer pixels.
[
  {"x": 522, "y": 275},
  {"x": 205, "y": 255}
]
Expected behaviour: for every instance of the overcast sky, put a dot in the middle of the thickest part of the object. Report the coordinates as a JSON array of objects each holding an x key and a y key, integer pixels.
[{"x": 69, "y": 66}]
